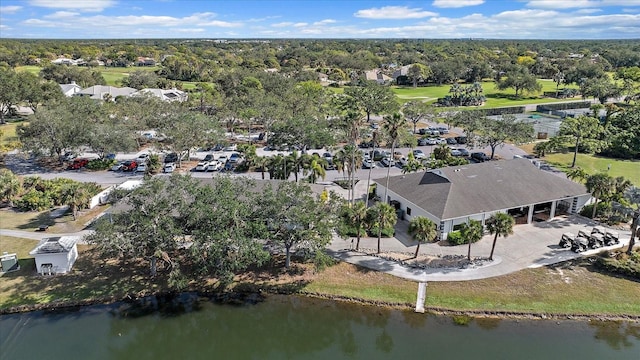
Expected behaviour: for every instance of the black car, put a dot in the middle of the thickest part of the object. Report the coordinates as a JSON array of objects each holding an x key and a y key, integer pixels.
[
  {"x": 452, "y": 141},
  {"x": 171, "y": 158},
  {"x": 480, "y": 156},
  {"x": 461, "y": 139}
]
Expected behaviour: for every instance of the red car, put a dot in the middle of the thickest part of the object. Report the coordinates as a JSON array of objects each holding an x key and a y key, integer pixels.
[
  {"x": 78, "y": 163},
  {"x": 129, "y": 165}
]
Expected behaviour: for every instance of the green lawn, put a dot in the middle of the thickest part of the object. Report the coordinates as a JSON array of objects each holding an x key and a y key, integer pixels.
[
  {"x": 9, "y": 132},
  {"x": 112, "y": 75},
  {"x": 630, "y": 169}
]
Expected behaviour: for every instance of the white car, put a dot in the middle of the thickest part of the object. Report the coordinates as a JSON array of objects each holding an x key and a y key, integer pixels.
[
  {"x": 202, "y": 166},
  {"x": 441, "y": 141},
  {"x": 232, "y": 147},
  {"x": 456, "y": 152},
  {"x": 387, "y": 162},
  {"x": 368, "y": 163},
  {"x": 169, "y": 167},
  {"x": 142, "y": 167},
  {"x": 118, "y": 166},
  {"x": 142, "y": 158},
  {"x": 402, "y": 161},
  {"x": 223, "y": 159},
  {"x": 418, "y": 154},
  {"x": 214, "y": 165}
]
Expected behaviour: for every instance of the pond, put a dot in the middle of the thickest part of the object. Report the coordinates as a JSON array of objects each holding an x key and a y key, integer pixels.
[{"x": 284, "y": 327}]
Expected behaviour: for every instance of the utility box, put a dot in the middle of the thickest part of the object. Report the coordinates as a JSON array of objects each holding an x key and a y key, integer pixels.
[{"x": 9, "y": 262}]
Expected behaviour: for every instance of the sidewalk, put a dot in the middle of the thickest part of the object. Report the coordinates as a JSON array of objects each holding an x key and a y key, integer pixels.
[{"x": 531, "y": 246}]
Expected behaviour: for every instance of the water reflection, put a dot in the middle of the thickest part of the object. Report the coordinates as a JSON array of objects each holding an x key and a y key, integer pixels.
[{"x": 190, "y": 327}]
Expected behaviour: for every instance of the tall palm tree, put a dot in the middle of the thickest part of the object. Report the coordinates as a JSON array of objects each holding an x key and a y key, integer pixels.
[
  {"x": 76, "y": 196},
  {"x": 357, "y": 217},
  {"x": 381, "y": 215},
  {"x": 600, "y": 185},
  {"x": 500, "y": 224},
  {"x": 373, "y": 141},
  {"x": 577, "y": 173},
  {"x": 392, "y": 126},
  {"x": 10, "y": 186},
  {"x": 472, "y": 232},
  {"x": 316, "y": 168},
  {"x": 261, "y": 163},
  {"x": 422, "y": 230}
]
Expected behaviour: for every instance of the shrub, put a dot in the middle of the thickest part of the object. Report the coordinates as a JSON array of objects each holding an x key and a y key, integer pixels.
[
  {"x": 100, "y": 164},
  {"x": 603, "y": 208},
  {"x": 386, "y": 232},
  {"x": 628, "y": 265},
  {"x": 455, "y": 238},
  {"x": 34, "y": 200}
]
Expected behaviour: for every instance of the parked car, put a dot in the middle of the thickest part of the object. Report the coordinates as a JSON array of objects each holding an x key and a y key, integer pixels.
[
  {"x": 368, "y": 163},
  {"x": 441, "y": 141},
  {"x": 169, "y": 167},
  {"x": 214, "y": 165},
  {"x": 463, "y": 151},
  {"x": 418, "y": 154},
  {"x": 480, "y": 156},
  {"x": 68, "y": 156},
  {"x": 461, "y": 139},
  {"x": 232, "y": 147},
  {"x": 118, "y": 166},
  {"x": 387, "y": 162},
  {"x": 142, "y": 167},
  {"x": 202, "y": 166},
  {"x": 452, "y": 141},
  {"x": 443, "y": 129},
  {"x": 110, "y": 156},
  {"x": 402, "y": 161},
  {"x": 129, "y": 165},
  {"x": 142, "y": 158},
  {"x": 235, "y": 158},
  {"x": 209, "y": 158},
  {"x": 378, "y": 155},
  {"x": 422, "y": 131},
  {"x": 455, "y": 152},
  {"x": 171, "y": 158},
  {"x": 223, "y": 159},
  {"x": 78, "y": 163}
]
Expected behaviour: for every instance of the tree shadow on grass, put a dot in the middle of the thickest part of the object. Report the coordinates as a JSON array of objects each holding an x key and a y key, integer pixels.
[
  {"x": 510, "y": 96},
  {"x": 42, "y": 219}
]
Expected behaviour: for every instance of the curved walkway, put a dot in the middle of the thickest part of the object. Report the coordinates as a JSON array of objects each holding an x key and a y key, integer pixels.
[{"x": 531, "y": 246}]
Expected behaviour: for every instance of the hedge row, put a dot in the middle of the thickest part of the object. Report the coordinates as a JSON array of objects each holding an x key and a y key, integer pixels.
[{"x": 563, "y": 106}]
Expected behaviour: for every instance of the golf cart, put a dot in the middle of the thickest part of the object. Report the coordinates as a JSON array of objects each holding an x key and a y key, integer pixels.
[
  {"x": 611, "y": 238},
  {"x": 580, "y": 242},
  {"x": 567, "y": 240}
]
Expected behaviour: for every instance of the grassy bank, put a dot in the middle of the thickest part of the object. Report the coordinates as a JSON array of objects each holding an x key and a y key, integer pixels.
[
  {"x": 592, "y": 164},
  {"x": 571, "y": 288}
]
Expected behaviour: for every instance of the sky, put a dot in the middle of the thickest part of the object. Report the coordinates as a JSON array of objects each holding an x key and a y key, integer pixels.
[{"x": 216, "y": 19}]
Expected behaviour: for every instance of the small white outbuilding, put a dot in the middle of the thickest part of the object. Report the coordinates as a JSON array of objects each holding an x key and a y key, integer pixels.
[{"x": 55, "y": 255}]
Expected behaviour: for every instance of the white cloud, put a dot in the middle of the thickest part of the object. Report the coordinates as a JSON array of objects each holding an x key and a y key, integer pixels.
[
  {"x": 61, "y": 15},
  {"x": 282, "y": 24},
  {"x": 456, "y": 3},
  {"x": 569, "y": 4},
  {"x": 12, "y": 9},
  {"x": 588, "y": 11},
  {"x": 394, "y": 12},
  {"x": 185, "y": 30},
  {"x": 300, "y": 24},
  {"x": 79, "y": 5},
  {"x": 4, "y": 27},
  {"x": 199, "y": 19},
  {"x": 324, "y": 22}
]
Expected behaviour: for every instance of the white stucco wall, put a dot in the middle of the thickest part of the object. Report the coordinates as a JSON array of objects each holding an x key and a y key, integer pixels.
[{"x": 62, "y": 262}]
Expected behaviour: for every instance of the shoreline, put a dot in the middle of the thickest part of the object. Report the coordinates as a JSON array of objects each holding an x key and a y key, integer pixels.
[{"x": 235, "y": 297}]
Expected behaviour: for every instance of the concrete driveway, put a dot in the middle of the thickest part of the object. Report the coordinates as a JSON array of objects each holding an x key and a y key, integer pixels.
[{"x": 530, "y": 246}]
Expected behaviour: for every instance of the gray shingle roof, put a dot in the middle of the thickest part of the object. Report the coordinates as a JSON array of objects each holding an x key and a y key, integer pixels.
[
  {"x": 465, "y": 190},
  {"x": 97, "y": 91}
]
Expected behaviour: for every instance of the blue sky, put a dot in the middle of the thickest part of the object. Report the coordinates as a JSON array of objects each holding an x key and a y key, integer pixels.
[{"x": 502, "y": 19}]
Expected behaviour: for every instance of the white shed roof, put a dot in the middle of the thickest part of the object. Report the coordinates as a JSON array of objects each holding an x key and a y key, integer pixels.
[{"x": 55, "y": 245}]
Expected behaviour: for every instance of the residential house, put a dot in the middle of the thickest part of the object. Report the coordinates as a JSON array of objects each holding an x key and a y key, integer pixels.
[
  {"x": 163, "y": 94},
  {"x": 55, "y": 255},
  {"x": 145, "y": 61},
  {"x": 401, "y": 71},
  {"x": 454, "y": 195},
  {"x": 377, "y": 76},
  {"x": 102, "y": 92},
  {"x": 70, "y": 89}
]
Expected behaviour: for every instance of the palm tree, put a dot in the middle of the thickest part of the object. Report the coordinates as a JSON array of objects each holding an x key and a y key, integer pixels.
[
  {"x": 577, "y": 173},
  {"x": 357, "y": 218},
  {"x": 632, "y": 196},
  {"x": 412, "y": 164},
  {"x": 422, "y": 230},
  {"x": 10, "y": 186},
  {"x": 600, "y": 185},
  {"x": 500, "y": 224},
  {"x": 381, "y": 215},
  {"x": 392, "y": 126},
  {"x": 76, "y": 196},
  {"x": 373, "y": 141},
  {"x": 472, "y": 232},
  {"x": 316, "y": 169},
  {"x": 261, "y": 163}
]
